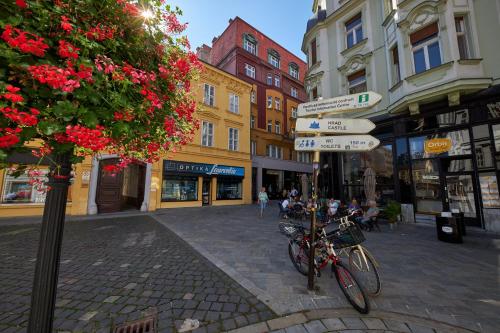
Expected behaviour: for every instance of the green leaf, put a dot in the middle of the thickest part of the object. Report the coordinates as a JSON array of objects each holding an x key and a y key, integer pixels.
[
  {"x": 90, "y": 119},
  {"x": 49, "y": 128}
]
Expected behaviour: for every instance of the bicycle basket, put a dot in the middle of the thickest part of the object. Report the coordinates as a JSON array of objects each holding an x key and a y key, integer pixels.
[{"x": 350, "y": 236}]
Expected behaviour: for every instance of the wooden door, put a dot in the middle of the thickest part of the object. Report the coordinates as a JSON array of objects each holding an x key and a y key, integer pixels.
[{"x": 109, "y": 188}]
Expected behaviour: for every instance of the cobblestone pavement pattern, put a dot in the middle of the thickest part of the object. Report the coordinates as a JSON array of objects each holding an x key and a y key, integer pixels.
[
  {"x": 422, "y": 277},
  {"x": 112, "y": 270}
]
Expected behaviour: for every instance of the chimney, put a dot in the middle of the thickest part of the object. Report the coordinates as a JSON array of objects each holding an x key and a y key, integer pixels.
[
  {"x": 203, "y": 53},
  {"x": 214, "y": 40}
]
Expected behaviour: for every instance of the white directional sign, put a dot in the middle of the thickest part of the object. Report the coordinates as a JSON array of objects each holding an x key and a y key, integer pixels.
[
  {"x": 334, "y": 126},
  {"x": 355, "y": 102},
  {"x": 337, "y": 143}
]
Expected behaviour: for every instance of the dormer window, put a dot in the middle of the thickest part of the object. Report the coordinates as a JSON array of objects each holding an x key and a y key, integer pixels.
[
  {"x": 250, "y": 44},
  {"x": 273, "y": 58}
]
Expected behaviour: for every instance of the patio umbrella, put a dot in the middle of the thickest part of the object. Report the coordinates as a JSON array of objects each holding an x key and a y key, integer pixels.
[{"x": 369, "y": 182}]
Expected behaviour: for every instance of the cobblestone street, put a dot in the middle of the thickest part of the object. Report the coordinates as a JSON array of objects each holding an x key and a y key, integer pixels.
[{"x": 114, "y": 269}]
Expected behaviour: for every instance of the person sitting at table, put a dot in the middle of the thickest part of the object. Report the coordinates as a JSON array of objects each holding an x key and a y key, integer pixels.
[
  {"x": 286, "y": 206},
  {"x": 354, "y": 209},
  {"x": 367, "y": 219},
  {"x": 333, "y": 206}
]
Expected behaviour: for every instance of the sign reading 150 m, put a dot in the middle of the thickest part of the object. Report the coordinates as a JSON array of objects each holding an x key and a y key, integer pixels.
[
  {"x": 337, "y": 143},
  {"x": 355, "y": 102}
]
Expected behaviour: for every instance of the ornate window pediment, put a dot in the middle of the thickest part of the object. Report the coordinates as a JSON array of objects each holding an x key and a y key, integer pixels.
[
  {"x": 421, "y": 16},
  {"x": 355, "y": 63}
]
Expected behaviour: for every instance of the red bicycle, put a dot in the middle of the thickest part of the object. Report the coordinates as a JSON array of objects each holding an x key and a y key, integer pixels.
[{"x": 298, "y": 250}]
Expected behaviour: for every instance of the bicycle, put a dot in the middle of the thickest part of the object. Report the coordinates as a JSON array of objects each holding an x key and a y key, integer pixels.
[{"x": 298, "y": 250}]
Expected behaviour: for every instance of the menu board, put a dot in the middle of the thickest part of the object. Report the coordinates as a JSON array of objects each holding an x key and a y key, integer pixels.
[{"x": 489, "y": 191}]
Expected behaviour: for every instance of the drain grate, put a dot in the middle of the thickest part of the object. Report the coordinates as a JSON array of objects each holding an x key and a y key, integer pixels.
[{"x": 145, "y": 325}]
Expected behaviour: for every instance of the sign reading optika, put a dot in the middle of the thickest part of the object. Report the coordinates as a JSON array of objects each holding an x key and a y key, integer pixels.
[{"x": 437, "y": 146}]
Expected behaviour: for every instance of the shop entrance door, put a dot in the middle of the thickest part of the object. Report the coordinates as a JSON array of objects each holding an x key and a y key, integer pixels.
[
  {"x": 460, "y": 193},
  {"x": 205, "y": 192}
]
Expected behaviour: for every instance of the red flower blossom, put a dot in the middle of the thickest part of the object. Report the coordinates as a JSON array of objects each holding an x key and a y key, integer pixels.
[
  {"x": 12, "y": 96},
  {"x": 65, "y": 25},
  {"x": 65, "y": 79},
  {"x": 67, "y": 50},
  {"x": 18, "y": 39},
  {"x": 173, "y": 25},
  {"x": 21, "y": 4},
  {"x": 100, "y": 33},
  {"x": 9, "y": 137},
  {"x": 19, "y": 117},
  {"x": 93, "y": 139}
]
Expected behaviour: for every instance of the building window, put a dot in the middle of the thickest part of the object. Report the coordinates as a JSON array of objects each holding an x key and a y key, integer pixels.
[
  {"x": 252, "y": 121},
  {"x": 269, "y": 102},
  {"x": 269, "y": 79},
  {"x": 314, "y": 55},
  {"x": 233, "y": 139},
  {"x": 20, "y": 190},
  {"x": 253, "y": 96},
  {"x": 253, "y": 147},
  {"x": 425, "y": 48},
  {"x": 207, "y": 134},
  {"x": 294, "y": 112},
  {"x": 209, "y": 96},
  {"x": 229, "y": 188},
  {"x": 314, "y": 93},
  {"x": 304, "y": 157},
  {"x": 462, "y": 37},
  {"x": 250, "y": 71},
  {"x": 357, "y": 82},
  {"x": 354, "y": 31},
  {"x": 270, "y": 126},
  {"x": 293, "y": 70},
  {"x": 234, "y": 103},
  {"x": 277, "y": 81},
  {"x": 273, "y": 58},
  {"x": 294, "y": 92},
  {"x": 395, "y": 70},
  {"x": 278, "y": 127},
  {"x": 274, "y": 151},
  {"x": 250, "y": 44},
  {"x": 277, "y": 103},
  {"x": 179, "y": 188}
]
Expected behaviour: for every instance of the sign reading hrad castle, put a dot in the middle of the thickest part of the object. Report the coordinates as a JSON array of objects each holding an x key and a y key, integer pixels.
[
  {"x": 354, "y": 102},
  {"x": 334, "y": 125}
]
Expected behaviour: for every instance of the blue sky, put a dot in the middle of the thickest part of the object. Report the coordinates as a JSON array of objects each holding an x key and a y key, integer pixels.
[{"x": 282, "y": 20}]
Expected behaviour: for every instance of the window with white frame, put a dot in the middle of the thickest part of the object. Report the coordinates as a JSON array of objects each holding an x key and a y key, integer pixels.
[
  {"x": 277, "y": 103},
  {"x": 253, "y": 96},
  {"x": 294, "y": 92},
  {"x": 315, "y": 91},
  {"x": 207, "y": 134},
  {"x": 273, "y": 59},
  {"x": 304, "y": 157},
  {"x": 270, "y": 126},
  {"x": 269, "y": 79},
  {"x": 277, "y": 81},
  {"x": 22, "y": 190},
  {"x": 354, "y": 31},
  {"x": 293, "y": 70},
  {"x": 233, "y": 139},
  {"x": 425, "y": 48},
  {"x": 252, "y": 121},
  {"x": 253, "y": 147},
  {"x": 277, "y": 126},
  {"x": 274, "y": 151},
  {"x": 234, "y": 103},
  {"x": 395, "y": 69},
  {"x": 209, "y": 95},
  {"x": 250, "y": 71},
  {"x": 294, "y": 112},
  {"x": 250, "y": 44},
  {"x": 269, "y": 102},
  {"x": 461, "y": 27},
  {"x": 357, "y": 82}
]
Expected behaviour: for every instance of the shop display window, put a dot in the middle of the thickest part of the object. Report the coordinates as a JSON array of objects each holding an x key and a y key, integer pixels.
[
  {"x": 179, "y": 188},
  {"x": 460, "y": 144},
  {"x": 229, "y": 188},
  {"x": 20, "y": 190},
  {"x": 489, "y": 190},
  {"x": 496, "y": 136}
]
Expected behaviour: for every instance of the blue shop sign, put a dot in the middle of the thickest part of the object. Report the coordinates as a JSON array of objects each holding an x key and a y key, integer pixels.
[{"x": 202, "y": 169}]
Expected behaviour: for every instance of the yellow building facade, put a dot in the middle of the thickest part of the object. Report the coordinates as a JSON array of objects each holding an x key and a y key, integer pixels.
[{"x": 214, "y": 169}]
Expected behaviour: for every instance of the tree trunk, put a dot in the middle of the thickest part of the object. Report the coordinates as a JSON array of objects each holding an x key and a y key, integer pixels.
[{"x": 44, "y": 291}]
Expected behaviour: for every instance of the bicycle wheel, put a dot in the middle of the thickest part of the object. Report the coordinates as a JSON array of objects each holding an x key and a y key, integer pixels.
[
  {"x": 352, "y": 290},
  {"x": 365, "y": 271},
  {"x": 299, "y": 255}
]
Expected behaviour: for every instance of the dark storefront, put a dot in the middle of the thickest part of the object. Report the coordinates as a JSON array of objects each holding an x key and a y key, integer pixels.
[{"x": 443, "y": 159}]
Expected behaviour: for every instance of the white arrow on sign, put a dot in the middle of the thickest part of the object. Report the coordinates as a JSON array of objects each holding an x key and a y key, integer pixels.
[
  {"x": 355, "y": 102},
  {"x": 337, "y": 143},
  {"x": 334, "y": 125}
]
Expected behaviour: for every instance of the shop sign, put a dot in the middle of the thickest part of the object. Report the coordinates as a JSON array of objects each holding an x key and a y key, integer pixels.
[
  {"x": 354, "y": 102},
  {"x": 437, "y": 146},
  {"x": 202, "y": 169},
  {"x": 337, "y": 143},
  {"x": 334, "y": 126}
]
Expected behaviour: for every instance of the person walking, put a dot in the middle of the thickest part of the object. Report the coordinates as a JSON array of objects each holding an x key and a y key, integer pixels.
[{"x": 263, "y": 199}]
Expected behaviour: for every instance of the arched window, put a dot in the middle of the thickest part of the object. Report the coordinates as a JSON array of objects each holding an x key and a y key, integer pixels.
[
  {"x": 273, "y": 57},
  {"x": 250, "y": 43},
  {"x": 293, "y": 70}
]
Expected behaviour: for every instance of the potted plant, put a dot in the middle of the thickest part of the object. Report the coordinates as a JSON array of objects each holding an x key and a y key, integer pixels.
[{"x": 393, "y": 212}]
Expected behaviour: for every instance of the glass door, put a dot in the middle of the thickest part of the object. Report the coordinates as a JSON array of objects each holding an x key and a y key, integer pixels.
[
  {"x": 206, "y": 191},
  {"x": 460, "y": 193}
]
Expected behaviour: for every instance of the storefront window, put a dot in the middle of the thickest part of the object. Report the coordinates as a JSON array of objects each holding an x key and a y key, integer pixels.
[
  {"x": 179, "y": 188},
  {"x": 458, "y": 165},
  {"x": 20, "y": 190},
  {"x": 496, "y": 136},
  {"x": 460, "y": 144},
  {"x": 229, "y": 188},
  {"x": 489, "y": 190},
  {"x": 403, "y": 165},
  {"x": 493, "y": 110},
  {"x": 482, "y": 147},
  {"x": 427, "y": 186}
]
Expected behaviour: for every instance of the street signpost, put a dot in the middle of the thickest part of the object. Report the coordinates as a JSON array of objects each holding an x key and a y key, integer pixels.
[
  {"x": 349, "y": 103},
  {"x": 342, "y": 143},
  {"x": 334, "y": 126}
]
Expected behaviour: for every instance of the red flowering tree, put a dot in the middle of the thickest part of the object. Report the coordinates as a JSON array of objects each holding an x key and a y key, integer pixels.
[{"x": 83, "y": 77}]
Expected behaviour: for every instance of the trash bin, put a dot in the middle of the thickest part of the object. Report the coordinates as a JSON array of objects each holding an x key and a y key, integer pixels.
[
  {"x": 460, "y": 216},
  {"x": 448, "y": 229}
]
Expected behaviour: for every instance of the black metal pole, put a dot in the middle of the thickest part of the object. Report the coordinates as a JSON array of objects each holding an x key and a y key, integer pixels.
[
  {"x": 43, "y": 295},
  {"x": 312, "y": 250}
]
